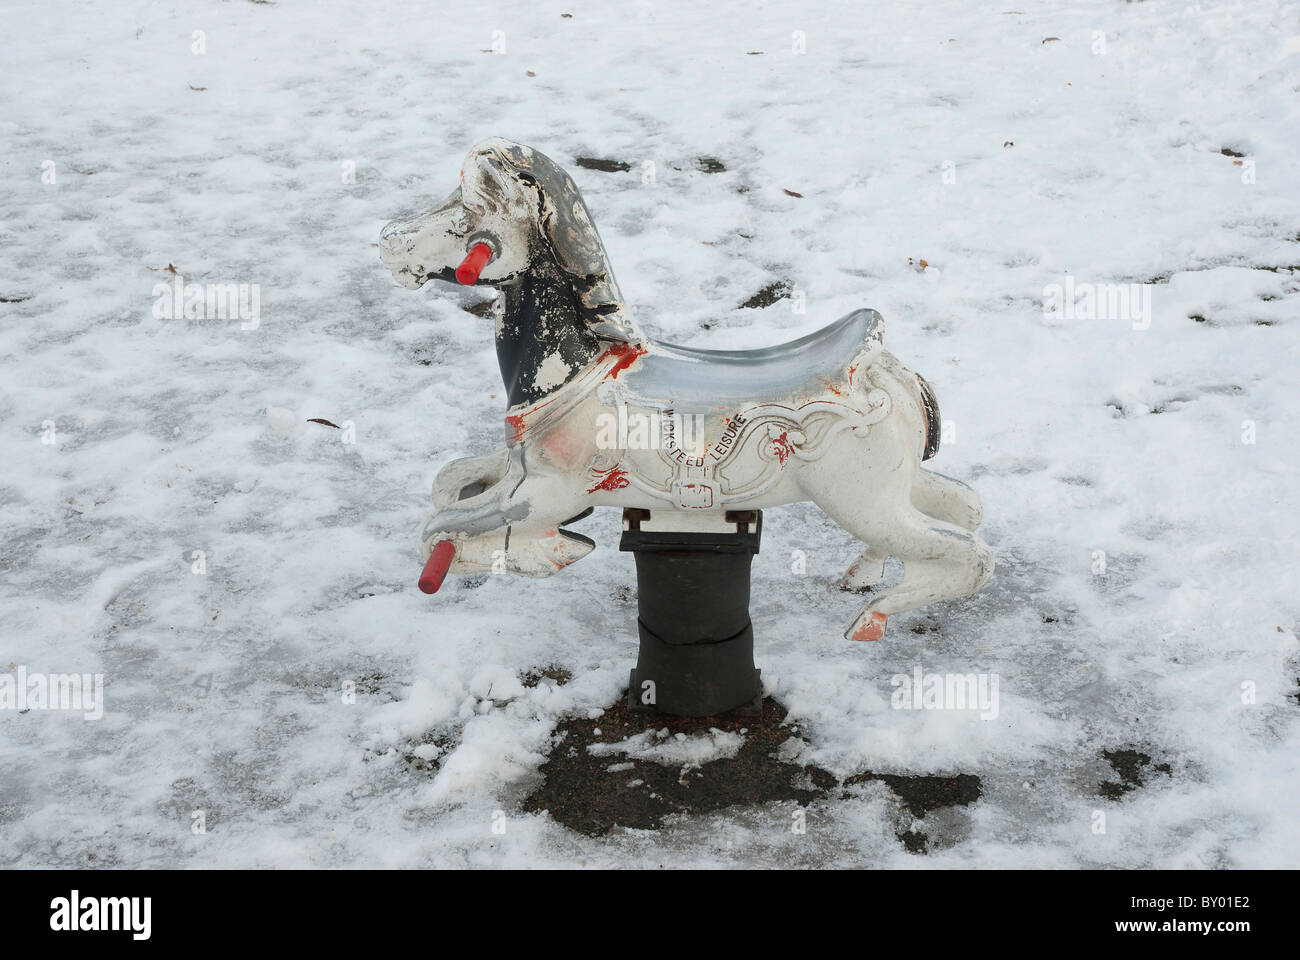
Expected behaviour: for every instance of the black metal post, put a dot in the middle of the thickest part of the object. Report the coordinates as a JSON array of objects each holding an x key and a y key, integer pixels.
[{"x": 697, "y": 642}]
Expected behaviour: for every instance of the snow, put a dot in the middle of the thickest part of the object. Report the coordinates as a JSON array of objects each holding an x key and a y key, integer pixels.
[
  {"x": 227, "y": 691},
  {"x": 680, "y": 750}
]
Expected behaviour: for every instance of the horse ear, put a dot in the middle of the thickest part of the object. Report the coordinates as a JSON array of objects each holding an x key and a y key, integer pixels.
[{"x": 485, "y": 180}]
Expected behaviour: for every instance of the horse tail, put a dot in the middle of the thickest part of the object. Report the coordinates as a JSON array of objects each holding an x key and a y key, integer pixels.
[{"x": 933, "y": 424}]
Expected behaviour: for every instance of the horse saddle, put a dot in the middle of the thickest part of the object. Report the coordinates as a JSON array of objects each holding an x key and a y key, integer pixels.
[{"x": 693, "y": 379}]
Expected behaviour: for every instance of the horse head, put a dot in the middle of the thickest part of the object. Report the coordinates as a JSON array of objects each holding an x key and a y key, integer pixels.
[
  {"x": 484, "y": 209},
  {"x": 515, "y": 217}
]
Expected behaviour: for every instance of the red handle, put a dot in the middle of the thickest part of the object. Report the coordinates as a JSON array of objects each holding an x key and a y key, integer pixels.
[
  {"x": 435, "y": 569},
  {"x": 473, "y": 263}
]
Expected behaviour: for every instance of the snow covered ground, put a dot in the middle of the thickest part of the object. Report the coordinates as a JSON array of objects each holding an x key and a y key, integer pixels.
[{"x": 1138, "y": 477}]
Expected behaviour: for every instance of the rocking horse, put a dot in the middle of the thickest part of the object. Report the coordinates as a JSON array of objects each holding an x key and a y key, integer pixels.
[{"x": 831, "y": 417}]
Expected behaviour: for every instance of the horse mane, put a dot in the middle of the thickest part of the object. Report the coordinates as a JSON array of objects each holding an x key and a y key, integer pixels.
[{"x": 574, "y": 242}]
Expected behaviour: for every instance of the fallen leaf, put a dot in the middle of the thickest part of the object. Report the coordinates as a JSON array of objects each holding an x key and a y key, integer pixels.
[
  {"x": 325, "y": 422},
  {"x": 791, "y": 193}
]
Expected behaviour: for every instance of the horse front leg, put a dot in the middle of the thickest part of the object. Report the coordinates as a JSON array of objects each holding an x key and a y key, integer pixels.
[
  {"x": 468, "y": 477},
  {"x": 512, "y": 526},
  {"x": 528, "y": 551}
]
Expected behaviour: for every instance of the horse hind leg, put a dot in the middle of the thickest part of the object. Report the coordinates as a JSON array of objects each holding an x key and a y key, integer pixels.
[
  {"x": 865, "y": 572},
  {"x": 934, "y": 495},
  {"x": 940, "y": 561},
  {"x": 946, "y": 499}
]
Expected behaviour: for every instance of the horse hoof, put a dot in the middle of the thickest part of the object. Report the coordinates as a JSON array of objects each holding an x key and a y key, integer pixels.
[
  {"x": 564, "y": 547},
  {"x": 869, "y": 626}
]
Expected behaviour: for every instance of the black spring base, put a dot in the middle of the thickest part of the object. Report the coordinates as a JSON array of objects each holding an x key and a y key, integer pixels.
[{"x": 697, "y": 642}]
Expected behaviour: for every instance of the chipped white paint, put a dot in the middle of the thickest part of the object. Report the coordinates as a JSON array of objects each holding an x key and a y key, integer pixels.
[{"x": 553, "y": 372}]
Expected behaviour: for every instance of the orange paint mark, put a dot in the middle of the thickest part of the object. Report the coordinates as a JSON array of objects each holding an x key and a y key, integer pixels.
[
  {"x": 625, "y": 355},
  {"x": 873, "y": 629}
]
